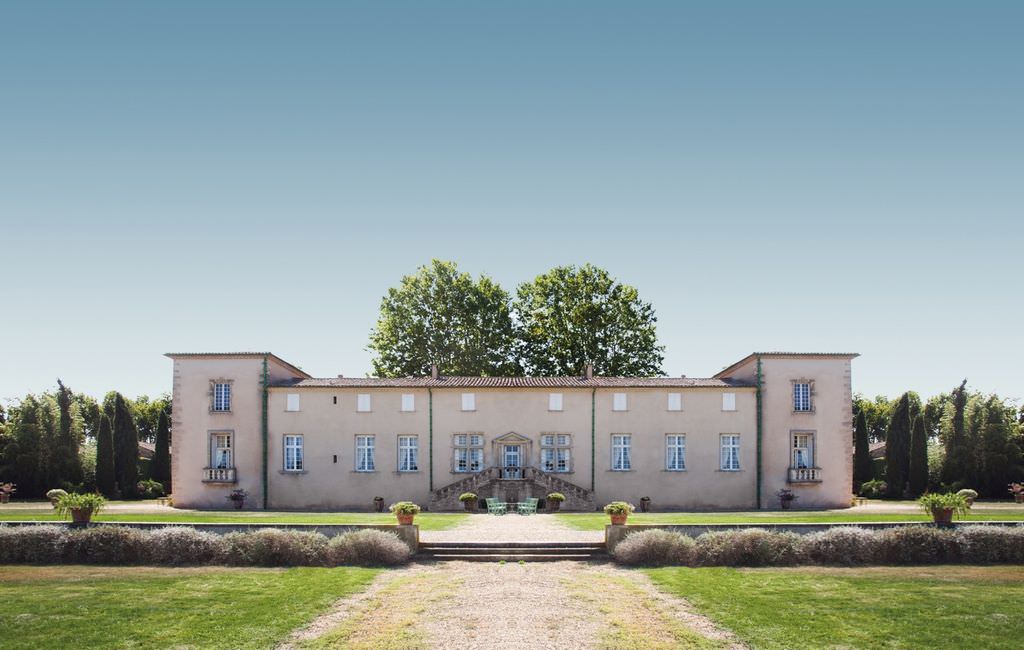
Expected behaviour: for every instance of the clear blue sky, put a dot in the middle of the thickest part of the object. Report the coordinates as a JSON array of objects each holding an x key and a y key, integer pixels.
[{"x": 254, "y": 176}]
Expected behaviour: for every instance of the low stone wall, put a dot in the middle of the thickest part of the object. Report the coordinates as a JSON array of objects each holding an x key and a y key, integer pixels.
[
  {"x": 408, "y": 534},
  {"x": 615, "y": 534}
]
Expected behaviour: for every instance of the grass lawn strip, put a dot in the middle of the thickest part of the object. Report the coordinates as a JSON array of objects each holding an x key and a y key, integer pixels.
[
  {"x": 115, "y": 607},
  {"x": 893, "y": 607}
]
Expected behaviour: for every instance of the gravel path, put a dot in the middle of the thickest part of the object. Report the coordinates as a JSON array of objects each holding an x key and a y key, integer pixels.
[{"x": 511, "y": 528}]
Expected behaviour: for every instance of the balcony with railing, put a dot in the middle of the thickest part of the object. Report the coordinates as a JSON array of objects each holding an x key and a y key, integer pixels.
[
  {"x": 219, "y": 475},
  {"x": 805, "y": 475}
]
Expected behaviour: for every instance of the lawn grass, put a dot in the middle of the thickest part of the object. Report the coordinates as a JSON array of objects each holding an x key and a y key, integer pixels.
[
  {"x": 425, "y": 520},
  {"x": 141, "y": 607},
  {"x": 875, "y": 607}
]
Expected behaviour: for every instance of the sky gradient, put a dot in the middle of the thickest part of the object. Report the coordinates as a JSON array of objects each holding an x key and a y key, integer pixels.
[{"x": 253, "y": 176}]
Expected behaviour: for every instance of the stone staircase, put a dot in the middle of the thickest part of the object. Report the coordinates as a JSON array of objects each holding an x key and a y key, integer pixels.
[
  {"x": 512, "y": 552},
  {"x": 512, "y": 485}
]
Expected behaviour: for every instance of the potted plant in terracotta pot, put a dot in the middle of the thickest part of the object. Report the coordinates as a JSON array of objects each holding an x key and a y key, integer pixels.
[
  {"x": 619, "y": 511},
  {"x": 81, "y": 507},
  {"x": 968, "y": 494},
  {"x": 405, "y": 511},
  {"x": 554, "y": 501},
  {"x": 469, "y": 501},
  {"x": 942, "y": 507},
  {"x": 54, "y": 495},
  {"x": 238, "y": 498},
  {"x": 1017, "y": 490},
  {"x": 645, "y": 504},
  {"x": 6, "y": 490},
  {"x": 378, "y": 504},
  {"x": 786, "y": 498}
]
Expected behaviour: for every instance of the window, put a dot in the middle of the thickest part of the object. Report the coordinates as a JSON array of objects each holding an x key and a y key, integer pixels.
[
  {"x": 293, "y": 453},
  {"x": 801, "y": 396},
  {"x": 555, "y": 454},
  {"x": 364, "y": 454},
  {"x": 675, "y": 452},
  {"x": 408, "y": 454},
  {"x": 408, "y": 402},
  {"x": 622, "y": 457},
  {"x": 363, "y": 403},
  {"x": 555, "y": 402},
  {"x": 675, "y": 401},
  {"x": 469, "y": 401},
  {"x": 469, "y": 452},
  {"x": 728, "y": 401},
  {"x": 222, "y": 397},
  {"x": 803, "y": 450},
  {"x": 293, "y": 402},
  {"x": 730, "y": 452},
  {"x": 619, "y": 402},
  {"x": 221, "y": 452}
]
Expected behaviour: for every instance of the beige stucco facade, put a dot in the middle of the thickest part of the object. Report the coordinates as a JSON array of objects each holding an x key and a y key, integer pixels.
[{"x": 325, "y": 417}]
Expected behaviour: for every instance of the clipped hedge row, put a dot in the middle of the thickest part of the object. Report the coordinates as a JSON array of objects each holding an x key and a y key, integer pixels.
[
  {"x": 181, "y": 546},
  {"x": 841, "y": 546}
]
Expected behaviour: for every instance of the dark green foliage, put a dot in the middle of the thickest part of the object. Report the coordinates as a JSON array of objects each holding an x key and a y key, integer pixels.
[
  {"x": 862, "y": 470},
  {"x": 25, "y": 454},
  {"x": 958, "y": 450},
  {"x": 917, "y": 472},
  {"x": 126, "y": 447},
  {"x": 160, "y": 469},
  {"x": 897, "y": 446},
  {"x": 65, "y": 466},
  {"x": 877, "y": 414},
  {"x": 106, "y": 479}
]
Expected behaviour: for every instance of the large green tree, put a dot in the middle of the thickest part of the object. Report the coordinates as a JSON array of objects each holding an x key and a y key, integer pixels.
[
  {"x": 572, "y": 316},
  {"x": 106, "y": 477},
  {"x": 66, "y": 467},
  {"x": 126, "y": 447},
  {"x": 958, "y": 449},
  {"x": 862, "y": 468},
  {"x": 917, "y": 468},
  {"x": 442, "y": 316},
  {"x": 160, "y": 470},
  {"x": 897, "y": 446}
]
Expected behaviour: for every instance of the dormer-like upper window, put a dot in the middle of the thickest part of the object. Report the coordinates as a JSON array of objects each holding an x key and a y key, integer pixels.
[
  {"x": 221, "y": 397},
  {"x": 802, "y": 396}
]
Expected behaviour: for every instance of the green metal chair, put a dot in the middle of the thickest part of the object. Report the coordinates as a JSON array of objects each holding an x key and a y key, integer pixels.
[
  {"x": 495, "y": 507},
  {"x": 528, "y": 507}
]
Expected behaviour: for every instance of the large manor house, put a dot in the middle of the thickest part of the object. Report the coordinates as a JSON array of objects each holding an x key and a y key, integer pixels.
[{"x": 255, "y": 422}]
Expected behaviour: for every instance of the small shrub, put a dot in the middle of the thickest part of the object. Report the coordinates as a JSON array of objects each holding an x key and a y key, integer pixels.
[
  {"x": 368, "y": 547},
  {"x": 992, "y": 544},
  {"x": 105, "y": 545},
  {"x": 274, "y": 547},
  {"x": 183, "y": 545},
  {"x": 918, "y": 545},
  {"x": 619, "y": 508},
  {"x": 843, "y": 546},
  {"x": 875, "y": 489},
  {"x": 32, "y": 544},
  {"x": 555, "y": 496},
  {"x": 467, "y": 496},
  {"x": 404, "y": 508},
  {"x": 968, "y": 493},
  {"x": 655, "y": 548},
  {"x": 149, "y": 489},
  {"x": 68, "y": 502},
  {"x": 938, "y": 501},
  {"x": 55, "y": 494},
  {"x": 750, "y": 547}
]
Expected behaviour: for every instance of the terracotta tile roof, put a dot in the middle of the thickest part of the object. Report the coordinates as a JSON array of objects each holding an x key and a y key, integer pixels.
[{"x": 514, "y": 382}]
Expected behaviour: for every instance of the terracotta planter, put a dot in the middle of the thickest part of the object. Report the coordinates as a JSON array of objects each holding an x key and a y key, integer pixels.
[
  {"x": 238, "y": 503},
  {"x": 553, "y": 505},
  {"x": 4, "y": 497},
  {"x": 81, "y": 515},
  {"x": 942, "y": 516},
  {"x": 619, "y": 520},
  {"x": 1018, "y": 498},
  {"x": 469, "y": 505},
  {"x": 404, "y": 520}
]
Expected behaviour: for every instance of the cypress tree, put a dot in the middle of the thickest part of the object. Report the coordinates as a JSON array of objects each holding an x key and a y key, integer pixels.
[
  {"x": 862, "y": 470},
  {"x": 66, "y": 465},
  {"x": 161, "y": 467},
  {"x": 897, "y": 447},
  {"x": 954, "y": 468},
  {"x": 105, "y": 477},
  {"x": 126, "y": 447},
  {"x": 917, "y": 475}
]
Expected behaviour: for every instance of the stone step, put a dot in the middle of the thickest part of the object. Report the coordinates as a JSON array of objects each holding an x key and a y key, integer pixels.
[
  {"x": 542, "y": 550},
  {"x": 517, "y": 545},
  {"x": 513, "y": 557}
]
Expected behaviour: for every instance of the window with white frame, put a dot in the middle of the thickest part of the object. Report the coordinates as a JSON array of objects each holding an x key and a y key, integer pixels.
[
  {"x": 469, "y": 452},
  {"x": 555, "y": 452},
  {"x": 730, "y": 452},
  {"x": 619, "y": 402},
  {"x": 555, "y": 402},
  {"x": 801, "y": 396},
  {"x": 221, "y": 397},
  {"x": 622, "y": 452},
  {"x": 675, "y": 401},
  {"x": 675, "y": 452},
  {"x": 363, "y": 403},
  {"x": 408, "y": 454},
  {"x": 408, "y": 402},
  {"x": 803, "y": 450},
  {"x": 293, "y": 458},
  {"x": 728, "y": 401},
  {"x": 469, "y": 401},
  {"x": 292, "y": 402},
  {"x": 221, "y": 451},
  {"x": 365, "y": 457}
]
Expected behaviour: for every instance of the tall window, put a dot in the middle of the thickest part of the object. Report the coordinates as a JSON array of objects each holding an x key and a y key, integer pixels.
[
  {"x": 469, "y": 401},
  {"x": 555, "y": 452},
  {"x": 222, "y": 397},
  {"x": 408, "y": 454},
  {"x": 622, "y": 452},
  {"x": 469, "y": 452},
  {"x": 619, "y": 402},
  {"x": 730, "y": 451},
  {"x": 408, "y": 402},
  {"x": 221, "y": 452},
  {"x": 554, "y": 401},
  {"x": 365, "y": 461},
  {"x": 675, "y": 401},
  {"x": 728, "y": 401},
  {"x": 803, "y": 450},
  {"x": 293, "y": 453},
  {"x": 801, "y": 396},
  {"x": 363, "y": 403},
  {"x": 675, "y": 452}
]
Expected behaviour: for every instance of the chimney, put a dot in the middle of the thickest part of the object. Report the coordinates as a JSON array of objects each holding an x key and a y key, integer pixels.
[
  {"x": 590, "y": 371},
  {"x": 341, "y": 376},
  {"x": 433, "y": 371}
]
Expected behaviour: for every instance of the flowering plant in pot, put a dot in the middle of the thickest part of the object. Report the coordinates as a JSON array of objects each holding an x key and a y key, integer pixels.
[
  {"x": 554, "y": 501},
  {"x": 968, "y": 494},
  {"x": 54, "y": 495},
  {"x": 942, "y": 507},
  {"x": 786, "y": 498},
  {"x": 238, "y": 498},
  {"x": 619, "y": 511},
  {"x": 469, "y": 501},
  {"x": 6, "y": 490},
  {"x": 378, "y": 504},
  {"x": 645, "y": 504},
  {"x": 1017, "y": 490},
  {"x": 405, "y": 511},
  {"x": 81, "y": 507}
]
